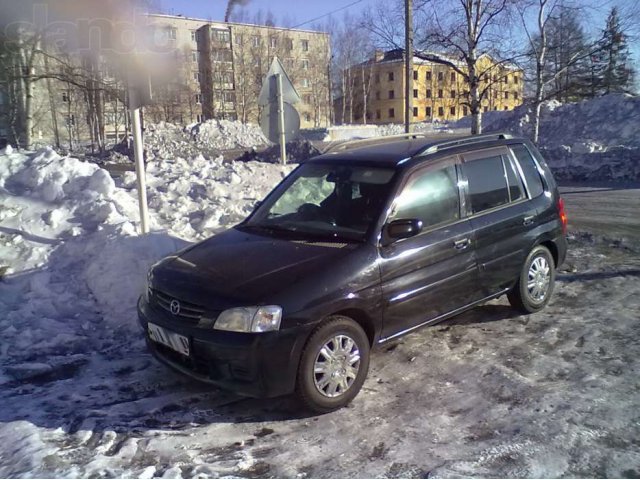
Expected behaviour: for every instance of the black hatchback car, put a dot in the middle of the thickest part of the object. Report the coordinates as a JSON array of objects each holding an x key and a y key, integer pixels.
[{"x": 354, "y": 248}]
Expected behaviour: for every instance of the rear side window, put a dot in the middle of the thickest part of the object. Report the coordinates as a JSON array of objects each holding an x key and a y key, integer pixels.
[
  {"x": 431, "y": 197},
  {"x": 516, "y": 189},
  {"x": 487, "y": 183},
  {"x": 529, "y": 169}
]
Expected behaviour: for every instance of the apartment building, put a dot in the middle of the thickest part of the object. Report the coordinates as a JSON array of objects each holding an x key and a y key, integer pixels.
[
  {"x": 217, "y": 70},
  {"x": 220, "y": 68},
  {"x": 440, "y": 93}
]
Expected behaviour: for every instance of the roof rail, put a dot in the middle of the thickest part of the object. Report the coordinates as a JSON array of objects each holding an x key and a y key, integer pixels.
[
  {"x": 463, "y": 141},
  {"x": 351, "y": 144}
]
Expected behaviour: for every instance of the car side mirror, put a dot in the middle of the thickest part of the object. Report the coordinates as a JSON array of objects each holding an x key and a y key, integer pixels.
[{"x": 403, "y": 228}]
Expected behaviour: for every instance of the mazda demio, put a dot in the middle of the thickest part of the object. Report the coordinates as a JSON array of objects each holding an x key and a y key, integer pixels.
[{"x": 356, "y": 247}]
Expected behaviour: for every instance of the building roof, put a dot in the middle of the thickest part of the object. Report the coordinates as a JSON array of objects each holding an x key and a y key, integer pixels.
[{"x": 222, "y": 22}]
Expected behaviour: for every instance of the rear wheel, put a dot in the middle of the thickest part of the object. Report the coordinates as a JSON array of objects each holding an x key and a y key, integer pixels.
[
  {"x": 334, "y": 365},
  {"x": 535, "y": 285}
]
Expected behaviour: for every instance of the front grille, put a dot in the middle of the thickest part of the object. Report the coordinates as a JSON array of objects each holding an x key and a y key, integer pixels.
[{"x": 189, "y": 312}]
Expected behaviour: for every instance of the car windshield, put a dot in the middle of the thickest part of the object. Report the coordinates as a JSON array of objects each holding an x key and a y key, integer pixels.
[{"x": 329, "y": 201}]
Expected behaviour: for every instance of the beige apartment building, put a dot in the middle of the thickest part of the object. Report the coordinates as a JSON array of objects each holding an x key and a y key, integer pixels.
[
  {"x": 216, "y": 72},
  {"x": 439, "y": 92},
  {"x": 220, "y": 68}
]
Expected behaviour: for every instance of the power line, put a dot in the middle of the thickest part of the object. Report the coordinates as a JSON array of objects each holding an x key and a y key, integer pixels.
[{"x": 325, "y": 15}]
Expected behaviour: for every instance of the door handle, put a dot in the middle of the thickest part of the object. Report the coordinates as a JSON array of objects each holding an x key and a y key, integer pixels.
[
  {"x": 461, "y": 244},
  {"x": 528, "y": 220}
]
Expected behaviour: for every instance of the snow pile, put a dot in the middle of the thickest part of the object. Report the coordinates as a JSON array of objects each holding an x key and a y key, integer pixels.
[
  {"x": 595, "y": 139},
  {"x": 163, "y": 140}
]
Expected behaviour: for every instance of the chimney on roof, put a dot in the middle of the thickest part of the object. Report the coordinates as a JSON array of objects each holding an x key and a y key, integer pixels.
[{"x": 378, "y": 55}]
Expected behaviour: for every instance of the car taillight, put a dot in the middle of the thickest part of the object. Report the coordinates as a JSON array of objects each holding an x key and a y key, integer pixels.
[{"x": 563, "y": 215}]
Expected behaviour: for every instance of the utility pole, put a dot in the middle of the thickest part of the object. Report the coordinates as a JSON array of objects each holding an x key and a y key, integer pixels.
[{"x": 408, "y": 64}]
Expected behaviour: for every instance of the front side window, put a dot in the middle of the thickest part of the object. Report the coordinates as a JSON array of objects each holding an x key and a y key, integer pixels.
[
  {"x": 331, "y": 201},
  {"x": 431, "y": 197},
  {"x": 487, "y": 183}
]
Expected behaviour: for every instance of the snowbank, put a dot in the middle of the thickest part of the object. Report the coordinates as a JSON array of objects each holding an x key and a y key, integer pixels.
[
  {"x": 595, "y": 139},
  {"x": 209, "y": 138}
]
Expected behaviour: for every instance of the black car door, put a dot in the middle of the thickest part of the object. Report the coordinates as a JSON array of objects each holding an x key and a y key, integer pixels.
[
  {"x": 434, "y": 272},
  {"x": 501, "y": 216}
]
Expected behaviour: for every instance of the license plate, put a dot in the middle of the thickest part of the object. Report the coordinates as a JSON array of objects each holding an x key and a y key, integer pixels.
[{"x": 176, "y": 342}]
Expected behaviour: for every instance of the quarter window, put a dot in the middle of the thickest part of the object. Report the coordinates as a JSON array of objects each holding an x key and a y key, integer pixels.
[
  {"x": 487, "y": 183},
  {"x": 529, "y": 169},
  {"x": 431, "y": 197}
]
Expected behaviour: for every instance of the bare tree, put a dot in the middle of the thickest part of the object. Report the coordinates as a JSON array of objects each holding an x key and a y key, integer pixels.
[{"x": 466, "y": 29}]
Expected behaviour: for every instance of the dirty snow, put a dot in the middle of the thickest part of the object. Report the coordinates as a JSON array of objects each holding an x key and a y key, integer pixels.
[{"x": 490, "y": 393}]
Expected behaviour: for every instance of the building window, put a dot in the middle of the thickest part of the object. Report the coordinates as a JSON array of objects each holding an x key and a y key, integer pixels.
[
  {"x": 415, "y": 93},
  {"x": 464, "y": 110},
  {"x": 65, "y": 97},
  {"x": 506, "y": 95},
  {"x": 428, "y": 93},
  {"x": 288, "y": 44},
  {"x": 415, "y": 111},
  {"x": 377, "y": 78},
  {"x": 307, "y": 117},
  {"x": 428, "y": 111},
  {"x": 305, "y": 82},
  {"x": 195, "y": 57},
  {"x": 222, "y": 36},
  {"x": 428, "y": 76},
  {"x": 440, "y": 76},
  {"x": 196, "y": 76},
  {"x": 392, "y": 113},
  {"x": 441, "y": 111},
  {"x": 378, "y": 95},
  {"x": 305, "y": 45},
  {"x": 415, "y": 75},
  {"x": 453, "y": 94},
  {"x": 71, "y": 120},
  {"x": 305, "y": 64},
  {"x": 378, "y": 114},
  {"x": 453, "y": 76},
  {"x": 199, "y": 118},
  {"x": 495, "y": 107},
  {"x": 440, "y": 94},
  {"x": 452, "y": 110},
  {"x": 172, "y": 33},
  {"x": 391, "y": 76},
  {"x": 255, "y": 40},
  {"x": 486, "y": 109},
  {"x": 239, "y": 38},
  {"x": 515, "y": 79},
  {"x": 198, "y": 98},
  {"x": 273, "y": 42},
  {"x": 515, "y": 95},
  {"x": 506, "y": 108},
  {"x": 194, "y": 36},
  {"x": 506, "y": 79},
  {"x": 392, "y": 94},
  {"x": 229, "y": 97}
]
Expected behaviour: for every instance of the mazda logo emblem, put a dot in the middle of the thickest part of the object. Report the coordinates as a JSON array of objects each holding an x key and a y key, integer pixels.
[{"x": 175, "y": 307}]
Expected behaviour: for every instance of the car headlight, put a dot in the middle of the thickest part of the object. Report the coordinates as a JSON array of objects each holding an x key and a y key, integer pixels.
[{"x": 250, "y": 319}]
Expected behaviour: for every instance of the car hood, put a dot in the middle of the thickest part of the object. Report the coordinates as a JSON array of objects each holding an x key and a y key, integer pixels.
[{"x": 236, "y": 267}]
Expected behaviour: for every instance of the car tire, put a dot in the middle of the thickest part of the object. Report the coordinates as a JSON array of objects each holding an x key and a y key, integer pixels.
[
  {"x": 535, "y": 285},
  {"x": 335, "y": 356}
]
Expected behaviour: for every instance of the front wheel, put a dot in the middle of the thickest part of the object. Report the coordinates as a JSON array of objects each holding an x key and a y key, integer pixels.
[
  {"x": 334, "y": 365},
  {"x": 535, "y": 285}
]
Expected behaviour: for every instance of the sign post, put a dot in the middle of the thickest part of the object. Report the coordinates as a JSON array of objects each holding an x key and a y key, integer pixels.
[
  {"x": 139, "y": 96},
  {"x": 280, "y": 122}
]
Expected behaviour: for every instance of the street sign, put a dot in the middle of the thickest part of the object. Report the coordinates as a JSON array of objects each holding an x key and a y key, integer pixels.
[
  {"x": 269, "y": 90},
  {"x": 279, "y": 121},
  {"x": 270, "y": 125}
]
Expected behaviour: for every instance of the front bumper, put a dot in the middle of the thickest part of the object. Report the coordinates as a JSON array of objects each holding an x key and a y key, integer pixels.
[{"x": 251, "y": 364}]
